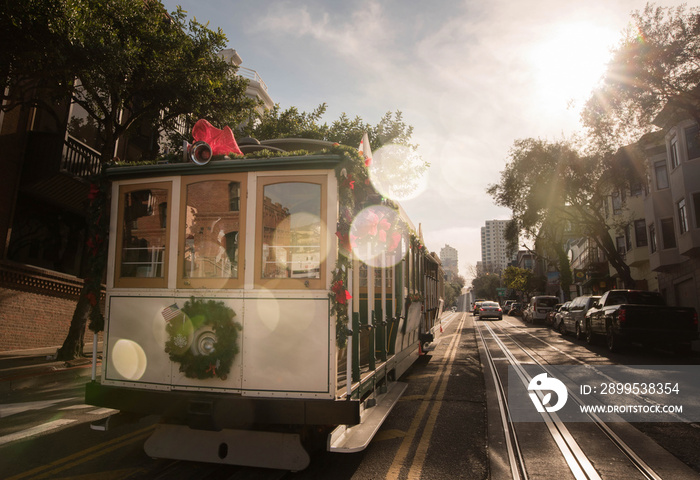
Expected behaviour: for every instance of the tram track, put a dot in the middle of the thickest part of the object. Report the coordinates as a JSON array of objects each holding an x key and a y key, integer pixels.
[{"x": 580, "y": 464}]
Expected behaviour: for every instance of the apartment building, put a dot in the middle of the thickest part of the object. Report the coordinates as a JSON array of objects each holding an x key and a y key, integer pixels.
[
  {"x": 672, "y": 207},
  {"x": 625, "y": 210},
  {"x": 494, "y": 255},
  {"x": 450, "y": 262}
]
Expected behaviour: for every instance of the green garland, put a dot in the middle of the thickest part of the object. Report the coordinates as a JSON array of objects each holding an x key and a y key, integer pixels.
[
  {"x": 200, "y": 314},
  {"x": 355, "y": 193}
]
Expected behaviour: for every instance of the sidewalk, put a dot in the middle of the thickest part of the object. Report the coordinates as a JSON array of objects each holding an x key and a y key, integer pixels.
[{"x": 20, "y": 369}]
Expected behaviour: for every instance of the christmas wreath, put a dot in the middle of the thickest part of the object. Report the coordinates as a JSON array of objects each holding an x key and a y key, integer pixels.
[{"x": 202, "y": 338}]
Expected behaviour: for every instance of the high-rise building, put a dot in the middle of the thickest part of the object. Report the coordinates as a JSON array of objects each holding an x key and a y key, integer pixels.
[
  {"x": 494, "y": 256},
  {"x": 450, "y": 262}
]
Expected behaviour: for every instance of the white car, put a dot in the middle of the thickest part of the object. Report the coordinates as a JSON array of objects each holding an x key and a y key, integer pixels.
[{"x": 490, "y": 310}]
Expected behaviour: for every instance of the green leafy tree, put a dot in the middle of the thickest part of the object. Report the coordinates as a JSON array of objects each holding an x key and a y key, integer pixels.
[
  {"x": 127, "y": 63},
  {"x": 278, "y": 123},
  {"x": 655, "y": 64},
  {"x": 453, "y": 290},
  {"x": 518, "y": 279},
  {"x": 401, "y": 169},
  {"x": 545, "y": 184},
  {"x": 485, "y": 285}
]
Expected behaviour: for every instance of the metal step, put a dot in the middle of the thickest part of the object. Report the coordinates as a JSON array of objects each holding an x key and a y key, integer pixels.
[{"x": 350, "y": 439}]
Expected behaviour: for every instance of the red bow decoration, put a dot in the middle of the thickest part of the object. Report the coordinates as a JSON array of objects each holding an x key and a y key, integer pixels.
[
  {"x": 212, "y": 369},
  {"x": 341, "y": 295},
  {"x": 222, "y": 142}
]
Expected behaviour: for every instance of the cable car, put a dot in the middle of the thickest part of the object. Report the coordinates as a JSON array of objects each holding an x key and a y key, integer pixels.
[{"x": 261, "y": 305}]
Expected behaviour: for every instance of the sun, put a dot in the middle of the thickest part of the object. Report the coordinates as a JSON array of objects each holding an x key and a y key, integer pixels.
[{"x": 568, "y": 62}]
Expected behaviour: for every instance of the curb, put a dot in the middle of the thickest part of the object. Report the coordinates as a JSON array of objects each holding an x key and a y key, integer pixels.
[{"x": 45, "y": 375}]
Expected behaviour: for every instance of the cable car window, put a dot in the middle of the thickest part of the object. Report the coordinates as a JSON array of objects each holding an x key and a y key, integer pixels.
[
  {"x": 142, "y": 236},
  {"x": 291, "y": 253},
  {"x": 211, "y": 234}
]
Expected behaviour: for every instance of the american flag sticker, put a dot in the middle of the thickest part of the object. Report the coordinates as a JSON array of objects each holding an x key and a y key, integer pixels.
[{"x": 170, "y": 312}]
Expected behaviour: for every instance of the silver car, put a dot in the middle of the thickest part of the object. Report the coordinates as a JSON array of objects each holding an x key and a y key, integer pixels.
[
  {"x": 573, "y": 320},
  {"x": 490, "y": 310}
]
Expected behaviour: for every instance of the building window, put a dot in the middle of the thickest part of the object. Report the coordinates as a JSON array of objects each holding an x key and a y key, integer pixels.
[
  {"x": 661, "y": 175},
  {"x": 234, "y": 196},
  {"x": 636, "y": 188},
  {"x": 682, "y": 216},
  {"x": 617, "y": 203},
  {"x": 674, "y": 153},
  {"x": 692, "y": 141},
  {"x": 640, "y": 233},
  {"x": 620, "y": 243},
  {"x": 652, "y": 238},
  {"x": 668, "y": 234}
]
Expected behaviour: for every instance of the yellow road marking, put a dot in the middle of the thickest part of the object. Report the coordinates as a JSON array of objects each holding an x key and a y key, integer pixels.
[
  {"x": 422, "y": 450},
  {"x": 111, "y": 475},
  {"x": 88, "y": 454},
  {"x": 402, "y": 452},
  {"x": 388, "y": 435},
  {"x": 408, "y": 398}
]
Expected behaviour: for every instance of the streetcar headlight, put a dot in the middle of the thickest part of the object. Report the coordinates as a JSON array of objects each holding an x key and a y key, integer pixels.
[{"x": 204, "y": 341}]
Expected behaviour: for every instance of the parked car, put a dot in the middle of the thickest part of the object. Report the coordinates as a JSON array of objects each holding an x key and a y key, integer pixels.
[
  {"x": 638, "y": 316},
  {"x": 555, "y": 317},
  {"x": 539, "y": 307},
  {"x": 549, "y": 319},
  {"x": 573, "y": 320},
  {"x": 516, "y": 310},
  {"x": 490, "y": 310}
]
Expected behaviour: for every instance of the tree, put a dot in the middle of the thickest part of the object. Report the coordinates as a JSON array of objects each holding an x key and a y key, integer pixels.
[
  {"x": 126, "y": 63},
  {"x": 485, "y": 286},
  {"x": 518, "y": 279},
  {"x": 655, "y": 64},
  {"x": 398, "y": 170},
  {"x": 278, "y": 123},
  {"x": 546, "y": 183},
  {"x": 453, "y": 290}
]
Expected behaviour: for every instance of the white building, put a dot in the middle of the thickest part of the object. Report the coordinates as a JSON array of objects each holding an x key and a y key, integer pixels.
[
  {"x": 450, "y": 262},
  {"x": 494, "y": 256},
  {"x": 257, "y": 89}
]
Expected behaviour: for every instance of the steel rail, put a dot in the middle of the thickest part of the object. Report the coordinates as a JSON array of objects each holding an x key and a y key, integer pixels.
[
  {"x": 624, "y": 448},
  {"x": 515, "y": 455},
  {"x": 578, "y": 462}
]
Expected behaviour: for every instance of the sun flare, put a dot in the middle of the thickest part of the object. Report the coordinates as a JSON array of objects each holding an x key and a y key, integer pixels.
[{"x": 569, "y": 61}]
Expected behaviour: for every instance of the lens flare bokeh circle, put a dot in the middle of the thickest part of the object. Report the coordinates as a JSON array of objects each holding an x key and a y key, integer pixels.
[
  {"x": 376, "y": 235},
  {"x": 398, "y": 172}
]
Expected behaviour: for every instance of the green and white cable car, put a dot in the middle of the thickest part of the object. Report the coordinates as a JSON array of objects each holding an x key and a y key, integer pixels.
[{"x": 237, "y": 304}]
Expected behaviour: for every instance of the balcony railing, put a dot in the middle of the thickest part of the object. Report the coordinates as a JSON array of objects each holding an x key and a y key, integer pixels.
[
  {"x": 251, "y": 75},
  {"x": 78, "y": 159}
]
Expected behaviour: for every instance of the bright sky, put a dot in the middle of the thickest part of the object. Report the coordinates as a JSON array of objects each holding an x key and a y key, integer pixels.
[{"x": 470, "y": 76}]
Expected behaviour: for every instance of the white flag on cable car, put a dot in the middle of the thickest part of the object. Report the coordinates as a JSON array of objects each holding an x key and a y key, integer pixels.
[{"x": 366, "y": 150}]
